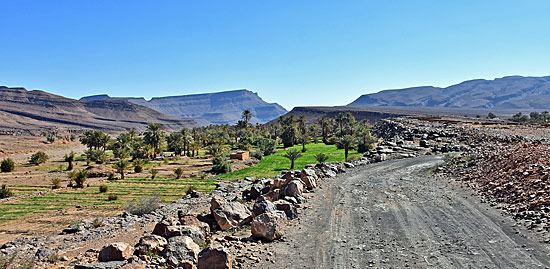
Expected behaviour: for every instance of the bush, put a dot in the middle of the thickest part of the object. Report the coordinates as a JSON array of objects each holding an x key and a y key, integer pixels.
[
  {"x": 97, "y": 156},
  {"x": 7, "y": 165},
  {"x": 51, "y": 138},
  {"x": 138, "y": 165},
  {"x": 267, "y": 145},
  {"x": 321, "y": 157},
  {"x": 178, "y": 172},
  {"x": 220, "y": 165},
  {"x": 103, "y": 188},
  {"x": 56, "y": 182},
  {"x": 112, "y": 197},
  {"x": 79, "y": 177},
  {"x": 38, "y": 158},
  {"x": 190, "y": 189},
  {"x": 98, "y": 222},
  {"x": 258, "y": 154},
  {"x": 143, "y": 205},
  {"x": 5, "y": 192},
  {"x": 154, "y": 173}
]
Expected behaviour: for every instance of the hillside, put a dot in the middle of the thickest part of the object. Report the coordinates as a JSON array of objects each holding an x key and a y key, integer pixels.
[
  {"x": 312, "y": 114},
  {"x": 508, "y": 93},
  {"x": 37, "y": 110},
  {"x": 209, "y": 108}
]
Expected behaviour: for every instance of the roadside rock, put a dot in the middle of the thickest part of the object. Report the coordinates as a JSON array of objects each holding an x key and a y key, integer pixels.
[
  {"x": 262, "y": 205},
  {"x": 229, "y": 214},
  {"x": 309, "y": 177},
  {"x": 293, "y": 188},
  {"x": 215, "y": 257},
  {"x": 151, "y": 244},
  {"x": 119, "y": 251},
  {"x": 290, "y": 210},
  {"x": 181, "y": 249},
  {"x": 269, "y": 226}
]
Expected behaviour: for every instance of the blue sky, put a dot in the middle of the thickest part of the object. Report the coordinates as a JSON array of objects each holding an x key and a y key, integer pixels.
[{"x": 290, "y": 52}]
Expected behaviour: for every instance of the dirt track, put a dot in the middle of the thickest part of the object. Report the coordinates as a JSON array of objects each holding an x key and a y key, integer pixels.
[{"x": 396, "y": 215}]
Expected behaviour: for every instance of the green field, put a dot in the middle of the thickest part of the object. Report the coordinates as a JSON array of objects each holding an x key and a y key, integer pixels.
[
  {"x": 274, "y": 164},
  {"x": 168, "y": 189}
]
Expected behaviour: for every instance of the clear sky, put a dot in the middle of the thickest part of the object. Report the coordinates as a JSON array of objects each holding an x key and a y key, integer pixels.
[{"x": 290, "y": 52}]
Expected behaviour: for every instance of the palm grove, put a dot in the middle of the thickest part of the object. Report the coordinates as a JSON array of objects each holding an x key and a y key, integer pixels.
[{"x": 133, "y": 149}]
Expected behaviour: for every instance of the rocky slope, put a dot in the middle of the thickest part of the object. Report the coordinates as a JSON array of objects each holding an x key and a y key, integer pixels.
[
  {"x": 37, "y": 110},
  {"x": 209, "y": 108},
  {"x": 508, "y": 93}
]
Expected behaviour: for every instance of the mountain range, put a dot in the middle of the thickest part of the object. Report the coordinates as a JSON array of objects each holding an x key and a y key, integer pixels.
[
  {"x": 507, "y": 93},
  {"x": 209, "y": 108},
  {"x": 37, "y": 110}
]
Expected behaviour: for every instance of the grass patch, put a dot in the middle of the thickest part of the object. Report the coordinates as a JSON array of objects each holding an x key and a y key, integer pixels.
[{"x": 272, "y": 165}]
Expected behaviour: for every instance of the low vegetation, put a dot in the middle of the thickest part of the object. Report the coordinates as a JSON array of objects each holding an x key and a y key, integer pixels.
[
  {"x": 38, "y": 158},
  {"x": 7, "y": 165}
]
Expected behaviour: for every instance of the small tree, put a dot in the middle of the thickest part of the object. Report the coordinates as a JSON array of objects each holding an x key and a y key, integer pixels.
[
  {"x": 5, "y": 192},
  {"x": 292, "y": 155},
  {"x": 120, "y": 166},
  {"x": 154, "y": 173},
  {"x": 69, "y": 158},
  {"x": 79, "y": 177},
  {"x": 178, "y": 172},
  {"x": 38, "y": 158},
  {"x": 321, "y": 157},
  {"x": 7, "y": 165},
  {"x": 138, "y": 165},
  {"x": 56, "y": 183},
  {"x": 221, "y": 165},
  {"x": 491, "y": 115},
  {"x": 347, "y": 142}
]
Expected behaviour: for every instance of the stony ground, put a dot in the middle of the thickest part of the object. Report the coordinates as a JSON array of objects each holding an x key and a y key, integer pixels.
[{"x": 395, "y": 214}]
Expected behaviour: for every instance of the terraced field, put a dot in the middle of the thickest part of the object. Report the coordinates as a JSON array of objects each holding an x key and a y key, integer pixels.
[{"x": 168, "y": 189}]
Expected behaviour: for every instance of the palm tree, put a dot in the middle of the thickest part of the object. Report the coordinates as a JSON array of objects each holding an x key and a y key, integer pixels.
[
  {"x": 304, "y": 139},
  {"x": 120, "y": 166},
  {"x": 324, "y": 124},
  {"x": 154, "y": 136},
  {"x": 347, "y": 142},
  {"x": 321, "y": 157},
  {"x": 70, "y": 159},
  {"x": 247, "y": 115},
  {"x": 292, "y": 155}
]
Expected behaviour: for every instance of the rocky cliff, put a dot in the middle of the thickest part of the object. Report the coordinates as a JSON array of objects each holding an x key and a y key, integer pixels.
[{"x": 209, "y": 108}]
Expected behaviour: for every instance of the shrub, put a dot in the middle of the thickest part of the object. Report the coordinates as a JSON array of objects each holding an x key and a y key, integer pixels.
[
  {"x": 112, "y": 197},
  {"x": 79, "y": 177},
  {"x": 98, "y": 222},
  {"x": 138, "y": 165},
  {"x": 189, "y": 189},
  {"x": 7, "y": 165},
  {"x": 178, "y": 172},
  {"x": 143, "y": 205},
  {"x": 154, "y": 173},
  {"x": 51, "y": 138},
  {"x": 56, "y": 182},
  {"x": 203, "y": 175},
  {"x": 258, "y": 154},
  {"x": 103, "y": 188},
  {"x": 97, "y": 156},
  {"x": 38, "y": 158},
  {"x": 5, "y": 192},
  {"x": 321, "y": 157},
  {"x": 221, "y": 165}
]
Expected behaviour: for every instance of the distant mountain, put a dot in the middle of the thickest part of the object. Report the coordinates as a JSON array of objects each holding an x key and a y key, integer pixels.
[
  {"x": 209, "y": 108},
  {"x": 508, "y": 93},
  {"x": 38, "y": 110}
]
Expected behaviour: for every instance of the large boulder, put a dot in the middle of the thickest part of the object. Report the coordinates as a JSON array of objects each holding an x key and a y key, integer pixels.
[
  {"x": 262, "y": 205},
  {"x": 215, "y": 257},
  {"x": 151, "y": 244},
  {"x": 193, "y": 221},
  {"x": 309, "y": 177},
  {"x": 181, "y": 249},
  {"x": 269, "y": 226},
  {"x": 119, "y": 251},
  {"x": 293, "y": 188},
  {"x": 290, "y": 210},
  {"x": 229, "y": 214}
]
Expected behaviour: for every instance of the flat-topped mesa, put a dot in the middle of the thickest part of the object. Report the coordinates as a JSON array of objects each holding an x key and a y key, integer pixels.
[
  {"x": 38, "y": 110},
  {"x": 209, "y": 108}
]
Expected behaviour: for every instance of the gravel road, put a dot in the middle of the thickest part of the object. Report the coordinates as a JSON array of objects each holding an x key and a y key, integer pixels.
[{"x": 394, "y": 214}]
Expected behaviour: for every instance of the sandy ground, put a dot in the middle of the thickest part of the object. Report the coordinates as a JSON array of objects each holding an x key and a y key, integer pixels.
[{"x": 395, "y": 215}]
